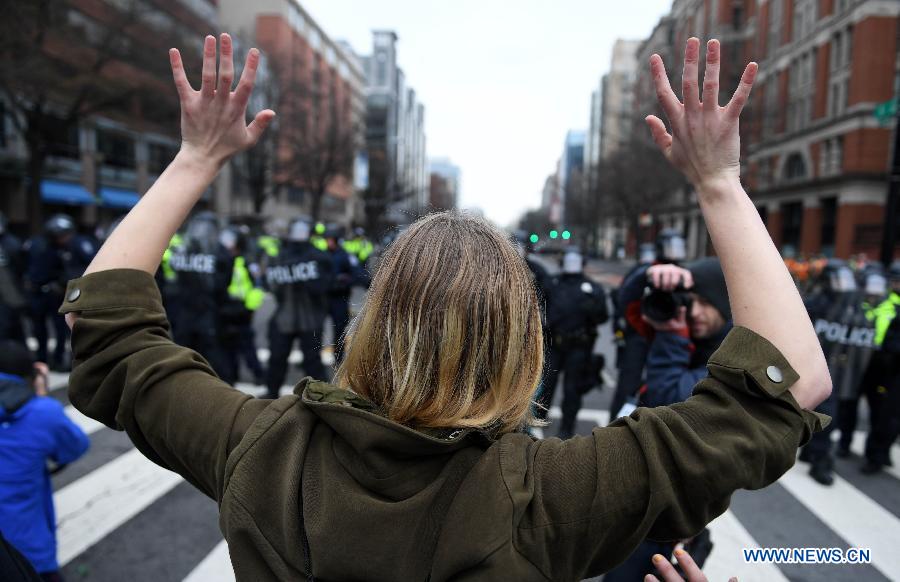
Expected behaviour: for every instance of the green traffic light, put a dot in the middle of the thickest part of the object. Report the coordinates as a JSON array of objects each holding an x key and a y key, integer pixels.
[
  {"x": 553, "y": 234},
  {"x": 566, "y": 235},
  {"x": 533, "y": 238}
]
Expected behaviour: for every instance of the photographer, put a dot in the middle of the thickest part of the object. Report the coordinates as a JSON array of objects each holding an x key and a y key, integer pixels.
[{"x": 679, "y": 352}]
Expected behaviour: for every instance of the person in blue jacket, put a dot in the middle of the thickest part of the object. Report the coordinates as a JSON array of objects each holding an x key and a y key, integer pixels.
[
  {"x": 676, "y": 360},
  {"x": 33, "y": 430}
]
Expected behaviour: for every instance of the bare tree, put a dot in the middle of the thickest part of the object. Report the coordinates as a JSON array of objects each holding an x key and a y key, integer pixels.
[
  {"x": 385, "y": 191},
  {"x": 317, "y": 139},
  {"x": 58, "y": 66}
]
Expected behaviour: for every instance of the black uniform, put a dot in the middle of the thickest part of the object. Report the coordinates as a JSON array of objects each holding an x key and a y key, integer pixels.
[
  {"x": 575, "y": 307},
  {"x": 12, "y": 298},
  {"x": 203, "y": 273},
  {"x": 300, "y": 277},
  {"x": 347, "y": 273},
  {"x": 50, "y": 267}
]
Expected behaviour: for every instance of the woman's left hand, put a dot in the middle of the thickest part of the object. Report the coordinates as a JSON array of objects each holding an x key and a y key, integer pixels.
[
  {"x": 670, "y": 574},
  {"x": 213, "y": 119}
]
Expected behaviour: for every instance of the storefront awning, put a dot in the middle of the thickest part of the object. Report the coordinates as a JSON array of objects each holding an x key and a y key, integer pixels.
[
  {"x": 68, "y": 193},
  {"x": 118, "y": 198}
]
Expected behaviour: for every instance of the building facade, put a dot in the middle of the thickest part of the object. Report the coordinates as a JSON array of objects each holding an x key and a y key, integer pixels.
[
  {"x": 444, "y": 184},
  {"x": 101, "y": 156},
  {"x": 319, "y": 94},
  {"x": 815, "y": 156},
  {"x": 395, "y": 133}
]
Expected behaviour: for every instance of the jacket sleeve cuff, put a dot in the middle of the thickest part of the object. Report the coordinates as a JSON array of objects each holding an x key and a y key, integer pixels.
[
  {"x": 114, "y": 288},
  {"x": 748, "y": 354}
]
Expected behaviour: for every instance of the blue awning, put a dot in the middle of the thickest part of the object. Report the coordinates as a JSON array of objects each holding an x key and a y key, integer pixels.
[
  {"x": 118, "y": 198},
  {"x": 65, "y": 193}
]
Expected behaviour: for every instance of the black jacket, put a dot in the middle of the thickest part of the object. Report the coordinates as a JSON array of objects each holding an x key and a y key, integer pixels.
[{"x": 300, "y": 277}]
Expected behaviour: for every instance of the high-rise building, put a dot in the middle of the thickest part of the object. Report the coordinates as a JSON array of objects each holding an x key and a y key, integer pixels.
[
  {"x": 395, "y": 135},
  {"x": 319, "y": 88},
  {"x": 444, "y": 184},
  {"x": 617, "y": 107}
]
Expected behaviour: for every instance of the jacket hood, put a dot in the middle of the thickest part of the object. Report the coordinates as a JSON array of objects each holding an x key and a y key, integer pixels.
[
  {"x": 13, "y": 396},
  {"x": 385, "y": 457}
]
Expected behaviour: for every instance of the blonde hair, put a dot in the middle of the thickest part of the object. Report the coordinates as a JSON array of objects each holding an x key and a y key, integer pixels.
[{"x": 450, "y": 335}]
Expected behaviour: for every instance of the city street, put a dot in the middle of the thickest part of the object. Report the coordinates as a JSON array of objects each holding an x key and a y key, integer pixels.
[{"x": 123, "y": 518}]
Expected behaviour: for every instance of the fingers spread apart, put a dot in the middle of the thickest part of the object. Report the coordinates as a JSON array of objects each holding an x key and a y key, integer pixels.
[
  {"x": 711, "y": 76},
  {"x": 182, "y": 85},
  {"x": 689, "y": 90},
  {"x": 226, "y": 67}
]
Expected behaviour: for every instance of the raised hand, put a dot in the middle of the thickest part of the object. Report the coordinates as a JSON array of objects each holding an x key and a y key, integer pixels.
[
  {"x": 704, "y": 143},
  {"x": 213, "y": 119}
]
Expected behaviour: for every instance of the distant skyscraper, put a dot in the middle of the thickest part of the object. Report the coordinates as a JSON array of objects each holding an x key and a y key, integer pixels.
[{"x": 444, "y": 189}]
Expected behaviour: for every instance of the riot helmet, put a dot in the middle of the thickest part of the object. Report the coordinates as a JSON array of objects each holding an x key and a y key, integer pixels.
[
  {"x": 300, "y": 229},
  {"x": 837, "y": 277},
  {"x": 670, "y": 246},
  {"x": 202, "y": 233},
  {"x": 333, "y": 231},
  {"x": 572, "y": 262},
  {"x": 59, "y": 225}
]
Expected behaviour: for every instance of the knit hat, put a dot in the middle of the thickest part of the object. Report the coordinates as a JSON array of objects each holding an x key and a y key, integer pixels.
[
  {"x": 709, "y": 283},
  {"x": 15, "y": 359}
]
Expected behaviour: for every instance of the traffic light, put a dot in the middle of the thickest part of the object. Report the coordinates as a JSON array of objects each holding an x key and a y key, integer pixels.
[
  {"x": 553, "y": 234},
  {"x": 534, "y": 238},
  {"x": 566, "y": 235}
]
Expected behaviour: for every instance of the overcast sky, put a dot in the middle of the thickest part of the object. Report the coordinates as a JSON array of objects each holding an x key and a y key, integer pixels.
[{"x": 502, "y": 81}]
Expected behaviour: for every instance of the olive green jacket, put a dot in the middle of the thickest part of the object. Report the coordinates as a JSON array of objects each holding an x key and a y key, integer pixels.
[{"x": 318, "y": 482}]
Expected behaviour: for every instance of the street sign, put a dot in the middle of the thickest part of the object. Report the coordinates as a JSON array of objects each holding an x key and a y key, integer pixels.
[{"x": 886, "y": 111}]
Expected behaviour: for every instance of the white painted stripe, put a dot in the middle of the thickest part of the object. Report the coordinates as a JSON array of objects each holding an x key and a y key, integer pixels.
[
  {"x": 858, "y": 447},
  {"x": 729, "y": 537},
  {"x": 87, "y": 424},
  {"x": 215, "y": 566},
  {"x": 296, "y": 357},
  {"x": 92, "y": 507},
  {"x": 857, "y": 518},
  {"x": 598, "y": 417}
]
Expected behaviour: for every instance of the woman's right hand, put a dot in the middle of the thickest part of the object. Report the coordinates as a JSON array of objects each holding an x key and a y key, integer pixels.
[
  {"x": 213, "y": 119},
  {"x": 704, "y": 144}
]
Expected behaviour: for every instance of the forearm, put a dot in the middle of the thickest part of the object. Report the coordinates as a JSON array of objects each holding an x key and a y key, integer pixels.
[
  {"x": 143, "y": 235},
  {"x": 762, "y": 294}
]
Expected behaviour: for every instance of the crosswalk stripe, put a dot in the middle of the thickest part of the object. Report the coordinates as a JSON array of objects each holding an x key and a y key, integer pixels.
[
  {"x": 858, "y": 447},
  {"x": 726, "y": 560},
  {"x": 92, "y": 507},
  {"x": 85, "y": 423},
  {"x": 215, "y": 566},
  {"x": 296, "y": 357},
  {"x": 857, "y": 518}
]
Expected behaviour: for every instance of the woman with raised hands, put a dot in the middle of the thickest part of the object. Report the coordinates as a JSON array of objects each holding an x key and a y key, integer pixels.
[{"x": 415, "y": 465}]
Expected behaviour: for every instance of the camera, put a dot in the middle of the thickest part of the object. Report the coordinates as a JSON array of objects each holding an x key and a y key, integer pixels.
[{"x": 660, "y": 305}]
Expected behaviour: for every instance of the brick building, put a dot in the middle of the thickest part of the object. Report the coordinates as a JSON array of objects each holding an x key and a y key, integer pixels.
[
  {"x": 320, "y": 88},
  {"x": 98, "y": 163},
  {"x": 815, "y": 157}
]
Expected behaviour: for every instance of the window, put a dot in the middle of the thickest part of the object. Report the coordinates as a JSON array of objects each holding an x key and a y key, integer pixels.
[
  {"x": 839, "y": 83},
  {"x": 829, "y": 225},
  {"x": 775, "y": 23},
  {"x": 159, "y": 156},
  {"x": 795, "y": 168},
  {"x": 771, "y": 107},
  {"x": 63, "y": 138},
  {"x": 804, "y": 18},
  {"x": 792, "y": 216},
  {"x": 117, "y": 149},
  {"x": 832, "y": 156}
]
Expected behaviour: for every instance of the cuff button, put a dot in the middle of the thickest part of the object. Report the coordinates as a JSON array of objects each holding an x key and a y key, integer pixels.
[
  {"x": 74, "y": 294},
  {"x": 774, "y": 374}
]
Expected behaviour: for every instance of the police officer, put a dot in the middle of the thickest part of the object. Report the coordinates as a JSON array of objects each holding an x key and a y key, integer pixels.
[
  {"x": 202, "y": 268},
  {"x": 55, "y": 257},
  {"x": 856, "y": 357},
  {"x": 244, "y": 299},
  {"x": 300, "y": 278},
  {"x": 832, "y": 304},
  {"x": 347, "y": 273},
  {"x": 575, "y": 307},
  {"x": 12, "y": 299},
  {"x": 883, "y": 378}
]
